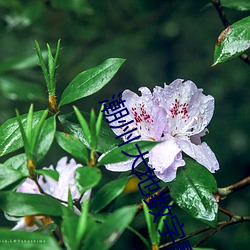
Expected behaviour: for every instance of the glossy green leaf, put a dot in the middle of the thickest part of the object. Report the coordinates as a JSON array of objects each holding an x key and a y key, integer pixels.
[
  {"x": 90, "y": 81},
  {"x": 193, "y": 191},
  {"x": 53, "y": 174},
  {"x": 241, "y": 5},
  {"x": 106, "y": 140},
  {"x": 16, "y": 240},
  {"x": 116, "y": 155},
  {"x": 8, "y": 176},
  {"x": 108, "y": 193},
  {"x": 87, "y": 177},
  {"x": 18, "y": 162},
  {"x": 10, "y": 136},
  {"x": 46, "y": 138},
  {"x": 73, "y": 146},
  {"x": 20, "y": 204},
  {"x": 233, "y": 41},
  {"x": 19, "y": 90},
  {"x": 104, "y": 236}
]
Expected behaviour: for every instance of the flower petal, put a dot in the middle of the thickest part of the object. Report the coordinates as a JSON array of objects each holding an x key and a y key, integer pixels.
[
  {"x": 189, "y": 110},
  {"x": 29, "y": 187},
  {"x": 201, "y": 153},
  {"x": 166, "y": 158}
]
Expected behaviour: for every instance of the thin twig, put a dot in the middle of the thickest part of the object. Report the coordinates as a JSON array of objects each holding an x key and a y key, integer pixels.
[
  {"x": 235, "y": 220},
  {"x": 226, "y": 23},
  {"x": 224, "y": 211},
  {"x": 224, "y": 192}
]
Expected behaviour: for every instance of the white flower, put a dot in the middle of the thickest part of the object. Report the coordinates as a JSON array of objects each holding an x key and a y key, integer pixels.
[
  {"x": 58, "y": 189},
  {"x": 177, "y": 115}
]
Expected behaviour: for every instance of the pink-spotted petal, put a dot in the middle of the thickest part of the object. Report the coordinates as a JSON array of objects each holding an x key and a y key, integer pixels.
[{"x": 189, "y": 110}]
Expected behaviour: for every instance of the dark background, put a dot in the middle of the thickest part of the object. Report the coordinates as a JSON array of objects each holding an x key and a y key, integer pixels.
[{"x": 161, "y": 41}]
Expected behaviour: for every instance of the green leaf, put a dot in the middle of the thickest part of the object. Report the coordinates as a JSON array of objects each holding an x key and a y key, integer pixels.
[
  {"x": 116, "y": 155},
  {"x": 53, "y": 174},
  {"x": 106, "y": 139},
  {"x": 84, "y": 125},
  {"x": 241, "y": 5},
  {"x": 73, "y": 146},
  {"x": 69, "y": 230},
  {"x": 99, "y": 123},
  {"x": 233, "y": 41},
  {"x": 8, "y": 176},
  {"x": 161, "y": 222},
  {"x": 18, "y": 162},
  {"x": 37, "y": 131},
  {"x": 105, "y": 235},
  {"x": 74, "y": 228},
  {"x": 19, "y": 90},
  {"x": 90, "y": 81},
  {"x": 151, "y": 225},
  {"x": 193, "y": 191},
  {"x": 87, "y": 177},
  {"x": 10, "y": 136},
  {"x": 20, "y": 204},
  {"x": 92, "y": 126},
  {"x": 16, "y": 240},
  {"x": 46, "y": 137},
  {"x": 108, "y": 193}
]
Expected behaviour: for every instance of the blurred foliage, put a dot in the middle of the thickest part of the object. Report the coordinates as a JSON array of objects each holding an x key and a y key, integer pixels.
[{"x": 161, "y": 41}]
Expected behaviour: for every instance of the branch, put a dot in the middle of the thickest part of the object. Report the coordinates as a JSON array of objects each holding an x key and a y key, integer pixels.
[
  {"x": 226, "y": 23},
  {"x": 224, "y": 192},
  {"x": 234, "y": 220},
  {"x": 140, "y": 205}
]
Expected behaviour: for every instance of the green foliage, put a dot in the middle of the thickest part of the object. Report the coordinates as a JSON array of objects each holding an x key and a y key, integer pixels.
[
  {"x": 108, "y": 193},
  {"x": 30, "y": 204},
  {"x": 193, "y": 191},
  {"x": 87, "y": 177},
  {"x": 233, "y": 41},
  {"x": 148, "y": 34},
  {"x": 106, "y": 137},
  {"x": 73, "y": 146},
  {"x": 110, "y": 230},
  {"x": 115, "y": 155},
  {"x": 241, "y": 5},
  {"x": 16, "y": 240},
  {"x": 12, "y": 174},
  {"x": 90, "y": 81},
  {"x": 10, "y": 136}
]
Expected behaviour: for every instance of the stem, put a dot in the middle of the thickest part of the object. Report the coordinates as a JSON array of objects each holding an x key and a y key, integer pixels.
[{"x": 224, "y": 192}]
